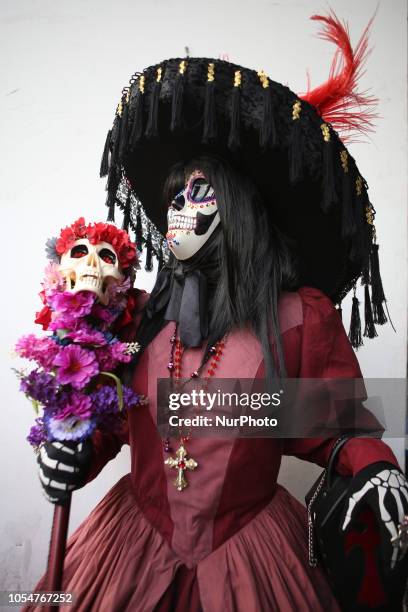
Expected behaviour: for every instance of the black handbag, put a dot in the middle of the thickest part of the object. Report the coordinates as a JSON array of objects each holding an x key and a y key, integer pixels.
[{"x": 351, "y": 569}]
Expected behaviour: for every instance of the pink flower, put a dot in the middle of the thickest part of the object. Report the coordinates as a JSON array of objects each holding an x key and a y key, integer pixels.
[
  {"x": 74, "y": 305},
  {"x": 87, "y": 336},
  {"x": 53, "y": 279},
  {"x": 111, "y": 355},
  {"x": 103, "y": 313},
  {"x": 76, "y": 366},
  {"x": 41, "y": 350},
  {"x": 79, "y": 406}
]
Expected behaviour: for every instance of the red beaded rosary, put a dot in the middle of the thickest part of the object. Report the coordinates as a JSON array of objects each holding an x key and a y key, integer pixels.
[{"x": 181, "y": 462}]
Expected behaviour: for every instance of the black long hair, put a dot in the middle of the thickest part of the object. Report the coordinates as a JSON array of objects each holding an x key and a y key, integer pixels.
[{"x": 252, "y": 259}]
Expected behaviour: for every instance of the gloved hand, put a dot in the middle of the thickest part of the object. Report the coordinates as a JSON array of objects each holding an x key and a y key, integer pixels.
[
  {"x": 63, "y": 467},
  {"x": 384, "y": 489}
]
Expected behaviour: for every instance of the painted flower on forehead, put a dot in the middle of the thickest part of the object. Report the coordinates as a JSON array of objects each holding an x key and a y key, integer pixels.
[{"x": 76, "y": 366}]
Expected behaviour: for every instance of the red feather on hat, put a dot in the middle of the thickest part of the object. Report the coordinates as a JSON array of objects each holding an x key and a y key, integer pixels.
[{"x": 338, "y": 100}]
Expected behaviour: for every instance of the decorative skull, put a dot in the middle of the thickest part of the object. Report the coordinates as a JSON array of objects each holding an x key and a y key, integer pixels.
[
  {"x": 91, "y": 267},
  {"x": 192, "y": 217}
]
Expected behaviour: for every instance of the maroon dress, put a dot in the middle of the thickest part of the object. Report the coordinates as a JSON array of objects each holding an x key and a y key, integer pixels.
[{"x": 233, "y": 540}]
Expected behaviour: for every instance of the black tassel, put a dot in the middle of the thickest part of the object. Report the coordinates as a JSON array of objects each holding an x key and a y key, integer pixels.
[
  {"x": 137, "y": 126},
  {"x": 104, "y": 169},
  {"x": 365, "y": 276},
  {"x": 116, "y": 142},
  {"x": 124, "y": 129},
  {"x": 377, "y": 291},
  {"x": 152, "y": 128},
  {"x": 369, "y": 327},
  {"x": 177, "y": 100},
  {"x": 126, "y": 216},
  {"x": 112, "y": 187},
  {"x": 348, "y": 226},
  {"x": 210, "y": 114},
  {"x": 267, "y": 132},
  {"x": 295, "y": 152},
  {"x": 139, "y": 231},
  {"x": 149, "y": 253},
  {"x": 234, "y": 138},
  {"x": 111, "y": 209},
  {"x": 329, "y": 184},
  {"x": 355, "y": 325}
]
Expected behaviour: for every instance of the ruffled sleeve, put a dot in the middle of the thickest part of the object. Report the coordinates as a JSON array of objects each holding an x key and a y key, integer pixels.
[{"x": 325, "y": 352}]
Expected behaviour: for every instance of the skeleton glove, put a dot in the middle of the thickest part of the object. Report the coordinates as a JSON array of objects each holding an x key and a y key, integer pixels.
[
  {"x": 384, "y": 489},
  {"x": 63, "y": 467}
]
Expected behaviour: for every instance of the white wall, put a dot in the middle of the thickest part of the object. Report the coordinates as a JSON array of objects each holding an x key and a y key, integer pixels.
[{"x": 62, "y": 67}]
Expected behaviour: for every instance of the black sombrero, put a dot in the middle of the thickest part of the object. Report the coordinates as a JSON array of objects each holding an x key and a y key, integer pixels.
[{"x": 311, "y": 185}]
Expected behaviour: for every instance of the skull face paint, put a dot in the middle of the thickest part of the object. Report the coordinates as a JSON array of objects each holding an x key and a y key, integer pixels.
[
  {"x": 90, "y": 267},
  {"x": 192, "y": 217}
]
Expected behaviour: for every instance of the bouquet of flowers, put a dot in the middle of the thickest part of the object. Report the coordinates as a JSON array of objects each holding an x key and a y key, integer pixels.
[{"x": 87, "y": 295}]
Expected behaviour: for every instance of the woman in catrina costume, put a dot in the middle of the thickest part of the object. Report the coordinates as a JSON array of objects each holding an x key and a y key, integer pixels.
[{"x": 261, "y": 224}]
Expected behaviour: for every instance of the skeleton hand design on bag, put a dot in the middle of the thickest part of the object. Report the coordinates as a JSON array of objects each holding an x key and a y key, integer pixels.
[{"x": 386, "y": 492}]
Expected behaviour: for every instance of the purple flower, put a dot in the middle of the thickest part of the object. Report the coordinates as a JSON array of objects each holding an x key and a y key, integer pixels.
[
  {"x": 41, "y": 350},
  {"x": 40, "y": 386},
  {"x": 74, "y": 305},
  {"x": 38, "y": 433},
  {"x": 70, "y": 428},
  {"x": 105, "y": 400},
  {"x": 78, "y": 405},
  {"x": 76, "y": 366}
]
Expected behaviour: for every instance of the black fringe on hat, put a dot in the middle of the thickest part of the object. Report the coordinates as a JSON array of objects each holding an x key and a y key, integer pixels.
[
  {"x": 267, "y": 132},
  {"x": 139, "y": 230},
  {"x": 137, "y": 127},
  {"x": 104, "y": 169},
  {"x": 329, "y": 186},
  {"x": 348, "y": 226},
  {"x": 124, "y": 129},
  {"x": 112, "y": 187},
  {"x": 149, "y": 253},
  {"x": 369, "y": 327},
  {"x": 210, "y": 115},
  {"x": 234, "y": 138},
  {"x": 116, "y": 131},
  {"x": 177, "y": 100},
  {"x": 354, "y": 334},
  {"x": 377, "y": 291},
  {"x": 152, "y": 128},
  {"x": 126, "y": 215},
  {"x": 295, "y": 152}
]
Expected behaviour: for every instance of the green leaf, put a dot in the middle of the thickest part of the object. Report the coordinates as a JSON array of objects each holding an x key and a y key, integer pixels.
[
  {"x": 119, "y": 389},
  {"x": 36, "y": 405}
]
